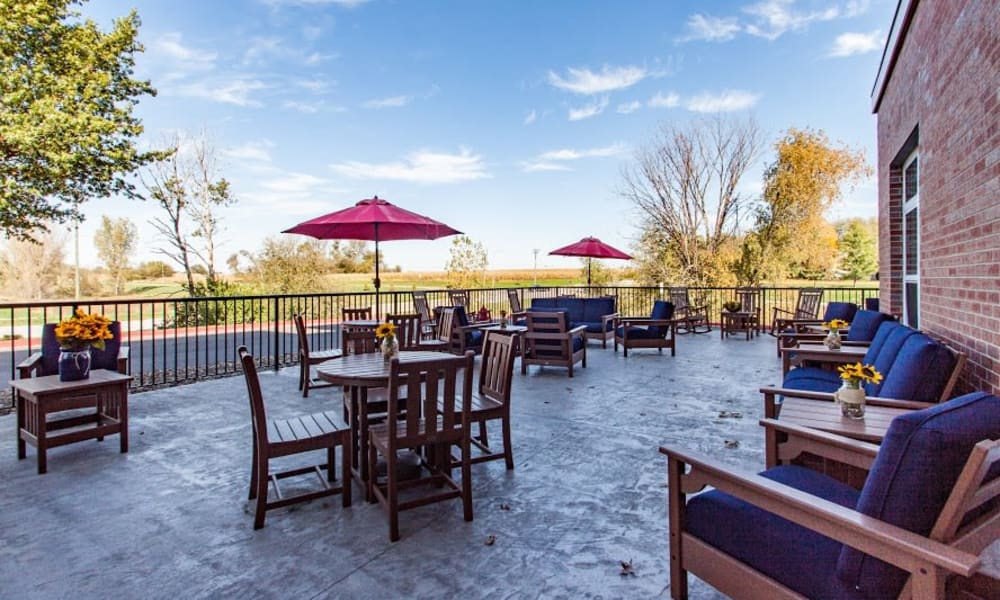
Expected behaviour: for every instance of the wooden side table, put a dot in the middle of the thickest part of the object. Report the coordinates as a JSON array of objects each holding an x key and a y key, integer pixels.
[
  {"x": 38, "y": 397},
  {"x": 733, "y": 322}
]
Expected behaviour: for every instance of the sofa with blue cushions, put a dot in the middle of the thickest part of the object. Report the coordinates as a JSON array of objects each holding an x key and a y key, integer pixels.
[
  {"x": 913, "y": 365},
  {"x": 790, "y": 530},
  {"x": 595, "y": 314},
  {"x": 845, "y": 311}
]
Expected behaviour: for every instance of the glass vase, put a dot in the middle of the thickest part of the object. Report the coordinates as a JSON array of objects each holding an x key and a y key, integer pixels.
[
  {"x": 832, "y": 340},
  {"x": 74, "y": 363},
  {"x": 851, "y": 397},
  {"x": 390, "y": 348}
]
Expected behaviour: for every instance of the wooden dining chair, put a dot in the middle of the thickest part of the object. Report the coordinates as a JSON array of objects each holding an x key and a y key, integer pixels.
[
  {"x": 428, "y": 325},
  {"x": 408, "y": 332},
  {"x": 491, "y": 400},
  {"x": 285, "y": 437},
  {"x": 356, "y": 314},
  {"x": 459, "y": 297},
  {"x": 308, "y": 358},
  {"x": 434, "y": 420}
]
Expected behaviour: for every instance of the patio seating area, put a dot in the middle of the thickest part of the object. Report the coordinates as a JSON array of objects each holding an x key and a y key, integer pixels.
[{"x": 171, "y": 516}]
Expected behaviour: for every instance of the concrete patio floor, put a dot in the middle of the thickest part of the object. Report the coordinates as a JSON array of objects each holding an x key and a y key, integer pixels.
[{"x": 170, "y": 519}]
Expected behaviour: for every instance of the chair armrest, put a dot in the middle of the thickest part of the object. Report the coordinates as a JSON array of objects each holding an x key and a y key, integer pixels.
[
  {"x": 28, "y": 365},
  {"x": 646, "y": 321},
  {"x": 916, "y": 554},
  {"x": 605, "y": 319},
  {"x": 769, "y": 393},
  {"x": 123, "y": 352},
  {"x": 577, "y": 331},
  {"x": 801, "y": 439}
]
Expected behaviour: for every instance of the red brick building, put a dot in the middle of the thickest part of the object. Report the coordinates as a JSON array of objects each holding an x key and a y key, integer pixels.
[{"x": 937, "y": 97}]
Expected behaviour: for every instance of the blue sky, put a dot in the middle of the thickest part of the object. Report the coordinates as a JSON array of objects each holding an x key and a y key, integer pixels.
[{"x": 510, "y": 121}]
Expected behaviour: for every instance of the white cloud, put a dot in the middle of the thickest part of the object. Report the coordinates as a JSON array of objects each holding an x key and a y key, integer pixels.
[
  {"x": 423, "y": 166},
  {"x": 316, "y": 58},
  {"x": 317, "y": 86},
  {"x": 539, "y": 167},
  {"x": 532, "y": 116},
  {"x": 169, "y": 44},
  {"x": 712, "y": 29},
  {"x": 235, "y": 91},
  {"x": 590, "y": 110},
  {"x": 628, "y": 107},
  {"x": 390, "y": 102},
  {"x": 661, "y": 100},
  {"x": 585, "y": 81},
  {"x": 311, "y": 108},
  {"x": 772, "y": 18},
  {"x": 850, "y": 43},
  {"x": 251, "y": 151},
  {"x": 571, "y": 154},
  {"x": 727, "y": 101}
]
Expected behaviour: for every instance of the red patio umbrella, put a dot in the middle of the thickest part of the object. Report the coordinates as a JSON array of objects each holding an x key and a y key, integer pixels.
[
  {"x": 590, "y": 247},
  {"x": 375, "y": 220}
]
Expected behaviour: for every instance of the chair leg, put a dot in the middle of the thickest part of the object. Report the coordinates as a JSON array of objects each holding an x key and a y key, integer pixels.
[
  {"x": 372, "y": 464},
  {"x": 508, "y": 452},
  {"x": 302, "y": 365},
  {"x": 466, "y": 479},
  {"x": 331, "y": 463},
  {"x": 345, "y": 468},
  {"x": 483, "y": 436},
  {"x": 392, "y": 495},
  {"x": 263, "y": 479},
  {"x": 253, "y": 473}
]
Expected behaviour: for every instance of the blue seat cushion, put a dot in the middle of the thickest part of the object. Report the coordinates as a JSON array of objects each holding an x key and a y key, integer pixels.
[
  {"x": 865, "y": 325},
  {"x": 541, "y": 350},
  {"x": 597, "y": 327},
  {"x": 812, "y": 379},
  {"x": 840, "y": 310},
  {"x": 884, "y": 354},
  {"x": 803, "y": 560},
  {"x": 920, "y": 371},
  {"x": 920, "y": 459},
  {"x": 474, "y": 338},
  {"x": 638, "y": 333}
]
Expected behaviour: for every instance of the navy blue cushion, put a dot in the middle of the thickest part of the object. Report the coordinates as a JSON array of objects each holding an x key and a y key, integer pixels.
[
  {"x": 461, "y": 318},
  {"x": 865, "y": 325},
  {"x": 474, "y": 338},
  {"x": 920, "y": 371},
  {"x": 542, "y": 303},
  {"x": 99, "y": 359},
  {"x": 595, "y": 308},
  {"x": 883, "y": 355},
  {"x": 881, "y": 335},
  {"x": 871, "y": 304},
  {"x": 595, "y": 327},
  {"x": 920, "y": 459},
  {"x": 574, "y": 308},
  {"x": 799, "y": 558},
  {"x": 840, "y": 310},
  {"x": 637, "y": 333},
  {"x": 661, "y": 310},
  {"x": 812, "y": 379}
]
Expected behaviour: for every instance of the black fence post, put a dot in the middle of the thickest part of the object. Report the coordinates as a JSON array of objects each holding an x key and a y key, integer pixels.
[{"x": 277, "y": 333}]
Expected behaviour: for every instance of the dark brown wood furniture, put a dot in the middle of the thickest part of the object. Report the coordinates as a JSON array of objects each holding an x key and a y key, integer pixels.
[
  {"x": 308, "y": 358},
  {"x": 408, "y": 330},
  {"x": 45, "y": 361},
  {"x": 459, "y": 298},
  {"x": 428, "y": 325},
  {"x": 38, "y": 397},
  {"x": 690, "y": 318},
  {"x": 433, "y": 420},
  {"x": 516, "y": 307},
  {"x": 515, "y": 331},
  {"x": 491, "y": 400},
  {"x": 658, "y": 330},
  {"x": 363, "y": 375},
  {"x": 746, "y": 319},
  {"x": 818, "y": 353},
  {"x": 549, "y": 341},
  {"x": 356, "y": 314},
  {"x": 806, "y": 308},
  {"x": 285, "y": 437}
]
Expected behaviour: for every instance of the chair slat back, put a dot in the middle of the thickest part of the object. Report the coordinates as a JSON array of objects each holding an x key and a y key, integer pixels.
[
  {"x": 546, "y": 334},
  {"x": 407, "y": 330},
  {"x": 459, "y": 297},
  {"x": 515, "y": 301},
  {"x": 300, "y": 329},
  {"x": 431, "y": 390},
  {"x": 257, "y": 414},
  {"x": 679, "y": 298},
  {"x": 351, "y": 314},
  {"x": 446, "y": 324},
  {"x": 807, "y": 306},
  {"x": 421, "y": 307},
  {"x": 972, "y": 493},
  {"x": 497, "y": 371},
  {"x": 749, "y": 298},
  {"x": 358, "y": 341}
]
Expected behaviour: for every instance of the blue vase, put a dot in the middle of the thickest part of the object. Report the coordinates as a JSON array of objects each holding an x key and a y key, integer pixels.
[{"x": 74, "y": 365}]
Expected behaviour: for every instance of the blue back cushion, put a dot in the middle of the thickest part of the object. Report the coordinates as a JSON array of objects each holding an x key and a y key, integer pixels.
[
  {"x": 542, "y": 303},
  {"x": 865, "y": 325},
  {"x": 595, "y": 308},
  {"x": 920, "y": 371},
  {"x": 920, "y": 459},
  {"x": 460, "y": 317},
  {"x": 840, "y": 310},
  {"x": 881, "y": 335},
  {"x": 871, "y": 304},
  {"x": 99, "y": 359},
  {"x": 661, "y": 310},
  {"x": 884, "y": 355}
]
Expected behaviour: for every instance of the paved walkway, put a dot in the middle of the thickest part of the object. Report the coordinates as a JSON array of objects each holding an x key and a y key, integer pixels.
[{"x": 170, "y": 519}]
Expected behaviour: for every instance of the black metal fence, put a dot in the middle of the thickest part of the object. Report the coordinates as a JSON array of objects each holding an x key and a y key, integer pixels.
[{"x": 175, "y": 341}]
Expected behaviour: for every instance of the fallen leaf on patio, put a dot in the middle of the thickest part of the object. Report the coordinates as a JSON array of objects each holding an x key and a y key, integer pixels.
[
  {"x": 731, "y": 443},
  {"x": 724, "y": 414},
  {"x": 490, "y": 540},
  {"x": 505, "y": 507},
  {"x": 627, "y": 568}
]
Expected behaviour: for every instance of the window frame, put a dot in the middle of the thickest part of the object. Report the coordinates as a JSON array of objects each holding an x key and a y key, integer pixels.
[{"x": 911, "y": 313}]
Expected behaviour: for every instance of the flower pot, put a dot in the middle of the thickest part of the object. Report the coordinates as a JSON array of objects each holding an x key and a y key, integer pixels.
[
  {"x": 390, "y": 348},
  {"x": 851, "y": 397},
  {"x": 832, "y": 340},
  {"x": 74, "y": 363}
]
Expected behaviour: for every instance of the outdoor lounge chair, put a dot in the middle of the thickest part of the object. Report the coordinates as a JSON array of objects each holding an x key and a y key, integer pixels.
[
  {"x": 806, "y": 308},
  {"x": 427, "y": 323},
  {"x": 114, "y": 357},
  {"x": 285, "y": 437},
  {"x": 550, "y": 341},
  {"x": 928, "y": 508},
  {"x": 658, "y": 330},
  {"x": 845, "y": 311},
  {"x": 690, "y": 318}
]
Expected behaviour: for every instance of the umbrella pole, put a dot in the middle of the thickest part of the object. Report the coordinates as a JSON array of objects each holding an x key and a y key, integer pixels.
[
  {"x": 589, "y": 261},
  {"x": 377, "y": 282}
]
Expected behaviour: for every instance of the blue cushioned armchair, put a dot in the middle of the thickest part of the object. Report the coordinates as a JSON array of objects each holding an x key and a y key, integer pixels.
[
  {"x": 928, "y": 508},
  {"x": 46, "y": 362},
  {"x": 551, "y": 341},
  {"x": 658, "y": 330}
]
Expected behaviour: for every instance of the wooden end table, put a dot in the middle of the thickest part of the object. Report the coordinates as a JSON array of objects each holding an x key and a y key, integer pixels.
[
  {"x": 38, "y": 397},
  {"x": 820, "y": 353},
  {"x": 734, "y": 322}
]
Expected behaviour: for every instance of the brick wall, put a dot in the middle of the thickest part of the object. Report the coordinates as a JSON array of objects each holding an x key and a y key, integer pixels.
[{"x": 946, "y": 87}]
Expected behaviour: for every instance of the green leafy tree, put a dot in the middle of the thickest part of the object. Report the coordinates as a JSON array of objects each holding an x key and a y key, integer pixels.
[
  {"x": 67, "y": 132},
  {"x": 467, "y": 263},
  {"x": 116, "y": 241},
  {"x": 859, "y": 252},
  {"x": 790, "y": 231},
  {"x": 153, "y": 269},
  {"x": 285, "y": 265}
]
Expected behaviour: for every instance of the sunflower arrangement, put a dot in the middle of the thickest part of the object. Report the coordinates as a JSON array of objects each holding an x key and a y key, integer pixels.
[
  {"x": 858, "y": 373},
  {"x": 82, "y": 329},
  {"x": 836, "y": 325},
  {"x": 386, "y": 332}
]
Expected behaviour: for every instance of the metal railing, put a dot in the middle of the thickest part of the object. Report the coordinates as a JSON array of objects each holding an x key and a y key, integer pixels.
[{"x": 175, "y": 341}]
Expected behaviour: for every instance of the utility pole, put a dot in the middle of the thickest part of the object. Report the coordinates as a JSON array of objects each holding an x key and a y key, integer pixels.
[
  {"x": 534, "y": 272},
  {"x": 76, "y": 260}
]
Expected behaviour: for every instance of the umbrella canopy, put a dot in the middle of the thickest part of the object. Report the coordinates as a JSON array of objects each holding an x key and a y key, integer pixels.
[
  {"x": 590, "y": 247},
  {"x": 375, "y": 220}
]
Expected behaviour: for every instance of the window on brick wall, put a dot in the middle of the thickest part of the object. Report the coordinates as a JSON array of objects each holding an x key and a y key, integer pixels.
[{"x": 911, "y": 240}]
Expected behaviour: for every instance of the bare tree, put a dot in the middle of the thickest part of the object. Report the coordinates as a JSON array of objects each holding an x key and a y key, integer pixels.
[
  {"x": 684, "y": 184},
  {"x": 116, "y": 240},
  {"x": 208, "y": 192},
  {"x": 33, "y": 270},
  {"x": 164, "y": 183}
]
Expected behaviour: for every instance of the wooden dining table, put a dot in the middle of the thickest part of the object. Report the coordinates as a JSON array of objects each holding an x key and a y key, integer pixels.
[{"x": 361, "y": 373}]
